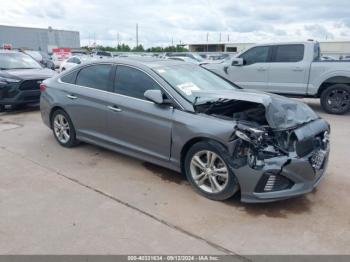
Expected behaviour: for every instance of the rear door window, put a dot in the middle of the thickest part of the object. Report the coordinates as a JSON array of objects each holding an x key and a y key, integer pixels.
[
  {"x": 95, "y": 76},
  {"x": 289, "y": 53}
]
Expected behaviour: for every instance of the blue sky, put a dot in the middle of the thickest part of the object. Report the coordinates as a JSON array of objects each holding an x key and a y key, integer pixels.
[{"x": 161, "y": 22}]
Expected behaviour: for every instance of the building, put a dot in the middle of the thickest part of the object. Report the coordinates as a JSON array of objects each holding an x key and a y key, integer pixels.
[
  {"x": 39, "y": 39},
  {"x": 329, "y": 48}
]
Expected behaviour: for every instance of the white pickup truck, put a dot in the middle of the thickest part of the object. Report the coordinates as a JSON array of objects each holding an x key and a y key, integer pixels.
[{"x": 292, "y": 69}]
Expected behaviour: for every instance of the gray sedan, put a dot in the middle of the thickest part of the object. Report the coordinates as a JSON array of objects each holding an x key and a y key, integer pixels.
[{"x": 183, "y": 117}]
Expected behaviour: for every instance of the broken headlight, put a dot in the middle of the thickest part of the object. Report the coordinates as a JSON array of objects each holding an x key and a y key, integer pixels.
[{"x": 254, "y": 145}]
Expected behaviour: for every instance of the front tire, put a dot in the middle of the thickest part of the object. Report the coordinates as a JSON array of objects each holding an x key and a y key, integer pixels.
[
  {"x": 336, "y": 99},
  {"x": 207, "y": 167},
  {"x": 63, "y": 129}
]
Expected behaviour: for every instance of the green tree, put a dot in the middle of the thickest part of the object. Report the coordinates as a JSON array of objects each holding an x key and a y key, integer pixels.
[{"x": 138, "y": 48}]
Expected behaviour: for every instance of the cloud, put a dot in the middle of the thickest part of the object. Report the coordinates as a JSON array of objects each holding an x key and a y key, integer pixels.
[
  {"x": 319, "y": 31},
  {"x": 163, "y": 21}
]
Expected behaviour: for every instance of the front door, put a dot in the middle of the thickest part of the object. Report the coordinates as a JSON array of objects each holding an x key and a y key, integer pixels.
[
  {"x": 135, "y": 123},
  {"x": 253, "y": 74}
]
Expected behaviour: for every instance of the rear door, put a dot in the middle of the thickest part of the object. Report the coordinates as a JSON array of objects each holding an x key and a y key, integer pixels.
[
  {"x": 86, "y": 100},
  {"x": 253, "y": 74},
  {"x": 288, "y": 69},
  {"x": 135, "y": 123}
]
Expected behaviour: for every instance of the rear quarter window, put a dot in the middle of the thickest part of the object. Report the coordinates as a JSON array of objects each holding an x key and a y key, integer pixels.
[{"x": 69, "y": 78}]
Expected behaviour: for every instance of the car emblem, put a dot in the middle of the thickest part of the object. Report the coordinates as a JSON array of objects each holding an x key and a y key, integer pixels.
[{"x": 39, "y": 82}]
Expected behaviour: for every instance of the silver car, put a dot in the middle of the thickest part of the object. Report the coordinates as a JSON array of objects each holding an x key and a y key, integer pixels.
[{"x": 183, "y": 117}]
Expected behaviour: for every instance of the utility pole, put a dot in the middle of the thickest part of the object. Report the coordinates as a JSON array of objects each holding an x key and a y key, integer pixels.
[
  {"x": 207, "y": 42},
  {"x": 220, "y": 37},
  {"x": 172, "y": 41},
  {"x": 228, "y": 37},
  {"x": 137, "y": 35},
  {"x": 118, "y": 38}
]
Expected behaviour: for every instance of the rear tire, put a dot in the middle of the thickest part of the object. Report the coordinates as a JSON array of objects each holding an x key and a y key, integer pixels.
[
  {"x": 336, "y": 99},
  {"x": 207, "y": 167},
  {"x": 63, "y": 129}
]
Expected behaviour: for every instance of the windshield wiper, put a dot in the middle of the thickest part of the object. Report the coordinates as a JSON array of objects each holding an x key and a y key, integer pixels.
[{"x": 195, "y": 101}]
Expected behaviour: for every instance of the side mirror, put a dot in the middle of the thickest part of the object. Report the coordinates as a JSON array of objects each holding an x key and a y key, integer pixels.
[
  {"x": 155, "y": 96},
  {"x": 237, "y": 61}
]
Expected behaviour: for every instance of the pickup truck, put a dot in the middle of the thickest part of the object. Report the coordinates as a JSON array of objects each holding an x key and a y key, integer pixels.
[{"x": 291, "y": 69}]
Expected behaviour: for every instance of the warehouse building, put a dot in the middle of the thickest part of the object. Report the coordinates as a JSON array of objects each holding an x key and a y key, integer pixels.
[
  {"x": 39, "y": 39},
  {"x": 329, "y": 48}
]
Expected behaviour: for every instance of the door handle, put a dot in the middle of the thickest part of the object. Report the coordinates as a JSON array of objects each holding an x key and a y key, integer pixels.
[
  {"x": 298, "y": 69},
  {"x": 114, "y": 108},
  {"x": 72, "y": 97},
  {"x": 262, "y": 69}
]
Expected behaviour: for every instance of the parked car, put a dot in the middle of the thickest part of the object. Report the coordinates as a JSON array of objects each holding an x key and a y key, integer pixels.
[
  {"x": 41, "y": 57},
  {"x": 20, "y": 77},
  {"x": 102, "y": 54},
  {"x": 329, "y": 58},
  {"x": 292, "y": 69},
  {"x": 73, "y": 61},
  {"x": 345, "y": 57},
  {"x": 184, "y": 59},
  {"x": 194, "y": 56},
  {"x": 183, "y": 117}
]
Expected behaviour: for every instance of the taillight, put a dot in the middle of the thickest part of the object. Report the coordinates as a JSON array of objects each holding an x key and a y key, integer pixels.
[{"x": 42, "y": 87}]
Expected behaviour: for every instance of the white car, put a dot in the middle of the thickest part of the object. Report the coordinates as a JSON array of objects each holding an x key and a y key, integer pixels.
[
  {"x": 184, "y": 58},
  {"x": 73, "y": 61}
]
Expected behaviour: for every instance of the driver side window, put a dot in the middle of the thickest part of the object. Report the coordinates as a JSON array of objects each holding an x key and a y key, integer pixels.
[
  {"x": 259, "y": 54},
  {"x": 133, "y": 82}
]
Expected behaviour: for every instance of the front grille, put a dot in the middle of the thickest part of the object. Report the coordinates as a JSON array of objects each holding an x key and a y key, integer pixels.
[
  {"x": 30, "y": 84},
  {"x": 272, "y": 181}
]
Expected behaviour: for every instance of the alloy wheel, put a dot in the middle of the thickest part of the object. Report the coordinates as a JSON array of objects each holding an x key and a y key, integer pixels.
[
  {"x": 209, "y": 171},
  {"x": 338, "y": 100},
  {"x": 61, "y": 128}
]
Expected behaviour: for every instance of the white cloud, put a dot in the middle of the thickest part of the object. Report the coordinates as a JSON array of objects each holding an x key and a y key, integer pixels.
[{"x": 161, "y": 22}]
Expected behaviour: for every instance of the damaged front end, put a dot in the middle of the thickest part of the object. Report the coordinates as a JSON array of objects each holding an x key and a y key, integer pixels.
[{"x": 273, "y": 160}]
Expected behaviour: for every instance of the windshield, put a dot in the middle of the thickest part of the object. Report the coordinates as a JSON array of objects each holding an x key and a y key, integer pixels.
[
  {"x": 17, "y": 61},
  {"x": 36, "y": 55},
  {"x": 198, "y": 57},
  {"x": 190, "y": 80}
]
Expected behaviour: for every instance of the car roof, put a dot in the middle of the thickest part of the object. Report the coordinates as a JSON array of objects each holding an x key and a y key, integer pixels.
[
  {"x": 2, "y": 51},
  {"x": 150, "y": 62}
]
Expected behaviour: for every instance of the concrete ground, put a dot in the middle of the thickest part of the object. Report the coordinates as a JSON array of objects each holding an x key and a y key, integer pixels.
[{"x": 89, "y": 200}]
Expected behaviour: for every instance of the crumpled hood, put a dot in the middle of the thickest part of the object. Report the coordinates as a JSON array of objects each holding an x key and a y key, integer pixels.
[
  {"x": 281, "y": 112},
  {"x": 28, "y": 74}
]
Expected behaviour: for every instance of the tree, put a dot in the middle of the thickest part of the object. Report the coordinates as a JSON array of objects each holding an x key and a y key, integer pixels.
[{"x": 138, "y": 48}]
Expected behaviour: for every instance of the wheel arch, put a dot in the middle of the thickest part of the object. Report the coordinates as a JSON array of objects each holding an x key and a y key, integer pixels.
[
  {"x": 190, "y": 143},
  {"x": 53, "y": 110},
  {"x": 332, "y": 81}
]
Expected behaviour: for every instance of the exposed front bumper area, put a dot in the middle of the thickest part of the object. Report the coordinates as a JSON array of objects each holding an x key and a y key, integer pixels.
[
  {"x": 288, "y": 175},
  {"x": 299, "y": 171}
]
